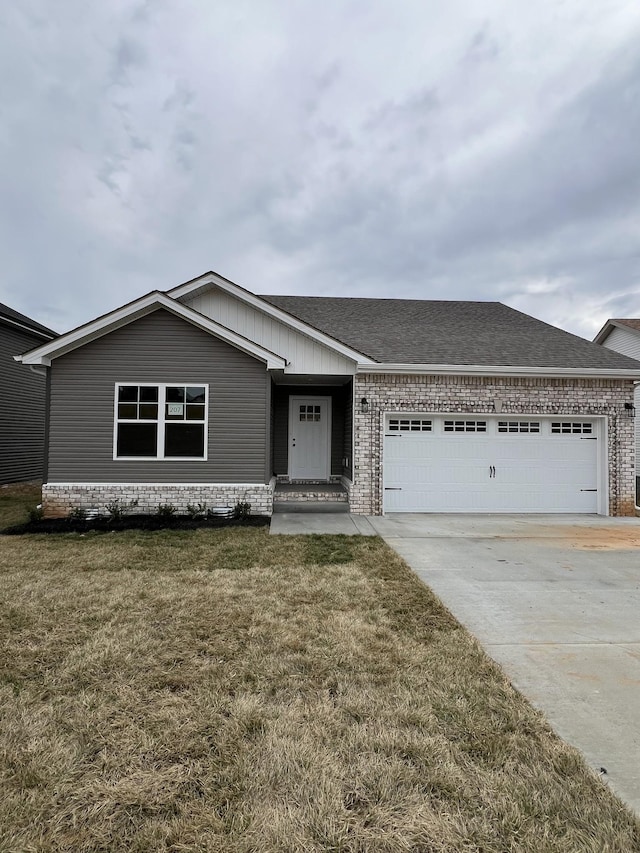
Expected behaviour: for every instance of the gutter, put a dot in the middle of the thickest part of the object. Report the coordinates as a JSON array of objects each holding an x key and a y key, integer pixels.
[{"x": 500, "y": 370}]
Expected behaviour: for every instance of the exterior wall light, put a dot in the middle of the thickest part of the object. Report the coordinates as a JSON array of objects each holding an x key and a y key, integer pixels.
[
  {"x": 364, "y": 405},
  {"x": 630, "y": 410}
]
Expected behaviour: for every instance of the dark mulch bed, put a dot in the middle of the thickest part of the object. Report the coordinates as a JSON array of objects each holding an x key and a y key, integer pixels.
[{"x": 131, "y": 522}]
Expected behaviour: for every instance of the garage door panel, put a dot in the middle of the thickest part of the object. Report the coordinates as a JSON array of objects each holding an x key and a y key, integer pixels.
[{"x": 492, "y": 472}]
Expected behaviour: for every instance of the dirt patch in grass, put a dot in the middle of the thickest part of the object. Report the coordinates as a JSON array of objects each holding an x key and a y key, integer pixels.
[{"x": 234, "y": 691}]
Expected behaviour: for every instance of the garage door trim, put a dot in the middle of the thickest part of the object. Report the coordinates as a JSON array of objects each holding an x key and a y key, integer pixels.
[{"x": 600, "y": 432}]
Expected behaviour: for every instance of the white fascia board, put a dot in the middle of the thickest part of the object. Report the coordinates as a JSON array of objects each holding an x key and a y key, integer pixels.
[
  {"x": 277, "y": 313},
  {"x": 134, "y": 311},
  {"x": 36, "y": 332},
  {"x": 609, "y": 326},
  {"x": 499, "y": 370}
]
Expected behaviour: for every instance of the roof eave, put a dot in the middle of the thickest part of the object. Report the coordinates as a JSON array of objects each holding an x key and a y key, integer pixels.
[
  {"x": 38, "y": 333},
  {"x": 609, "y": 326},
  {"x": 44, "y": 354},
  {"x": 501, "y": 370}
]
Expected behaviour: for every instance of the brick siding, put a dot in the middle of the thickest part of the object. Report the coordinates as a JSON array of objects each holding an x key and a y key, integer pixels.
[
  {"x": 486, "y": 395},
  {"x": 59, "y": 498}
]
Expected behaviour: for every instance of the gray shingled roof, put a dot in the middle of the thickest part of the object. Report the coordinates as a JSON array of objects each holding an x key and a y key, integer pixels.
[
  {"x": 414, "y": 331},
  {"x": 17, "y": 317}
]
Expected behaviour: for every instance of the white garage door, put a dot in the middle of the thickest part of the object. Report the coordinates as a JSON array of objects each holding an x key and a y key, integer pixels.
[{"x": 480, "y": 464}]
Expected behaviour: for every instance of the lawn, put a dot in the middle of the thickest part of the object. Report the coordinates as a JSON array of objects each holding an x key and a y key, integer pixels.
[{"x": 227, "y": 690}]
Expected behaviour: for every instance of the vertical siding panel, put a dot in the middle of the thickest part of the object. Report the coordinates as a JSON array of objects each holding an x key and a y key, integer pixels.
[{"x": 307, "y": 355}]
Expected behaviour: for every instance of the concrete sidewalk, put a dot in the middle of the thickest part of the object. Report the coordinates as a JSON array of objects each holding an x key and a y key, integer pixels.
[{"x": 320, "y": 522}]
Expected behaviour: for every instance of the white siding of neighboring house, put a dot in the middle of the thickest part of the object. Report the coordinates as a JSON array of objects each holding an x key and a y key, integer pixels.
[
  {"x": 305, "y": 354},
  {"x": 627, "y": 342}
]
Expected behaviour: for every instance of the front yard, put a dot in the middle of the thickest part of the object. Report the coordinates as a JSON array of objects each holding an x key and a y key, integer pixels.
[{"x": 231, "y": 691}]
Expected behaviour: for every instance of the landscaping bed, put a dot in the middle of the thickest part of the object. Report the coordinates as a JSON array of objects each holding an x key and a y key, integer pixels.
[{"x": 105, "y": 524}]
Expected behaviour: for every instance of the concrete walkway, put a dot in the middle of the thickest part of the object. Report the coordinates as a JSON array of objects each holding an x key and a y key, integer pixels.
[
  {"x": 556, "y": 601},
  {"x": 320, "y": 522}
]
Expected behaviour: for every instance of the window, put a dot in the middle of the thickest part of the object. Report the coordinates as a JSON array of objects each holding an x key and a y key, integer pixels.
[
  {"x": 309, "y": 413},
  {"x": 160, "y": 422},
  {"x": 571, "y": 428},
  {"x": 409, "y": 425},
  {"x": 465, "y": 426},
  {"x": 518, "y": 426}
]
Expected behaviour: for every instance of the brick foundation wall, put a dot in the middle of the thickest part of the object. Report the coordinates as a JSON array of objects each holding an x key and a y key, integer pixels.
[
  {"x": 486, "y": 395},
  {"x": 59, "y": 498}
]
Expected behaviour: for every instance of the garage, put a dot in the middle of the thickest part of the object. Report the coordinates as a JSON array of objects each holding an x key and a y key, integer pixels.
[{"x": 454, "y": 463}]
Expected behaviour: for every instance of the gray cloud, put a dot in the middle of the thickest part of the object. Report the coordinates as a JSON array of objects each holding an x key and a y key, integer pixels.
[{"x": 415, "y": 150}]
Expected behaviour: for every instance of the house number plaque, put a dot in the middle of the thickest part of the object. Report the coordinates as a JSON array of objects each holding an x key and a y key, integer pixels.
[{"x": 175, "y": 409}]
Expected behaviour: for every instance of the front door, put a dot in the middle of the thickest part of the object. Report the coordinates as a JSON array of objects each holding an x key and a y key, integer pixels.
[{"x": 309, "y": 438}]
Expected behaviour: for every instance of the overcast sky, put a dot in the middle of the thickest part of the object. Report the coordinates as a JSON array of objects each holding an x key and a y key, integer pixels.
[{"x": 416, "y": 148}]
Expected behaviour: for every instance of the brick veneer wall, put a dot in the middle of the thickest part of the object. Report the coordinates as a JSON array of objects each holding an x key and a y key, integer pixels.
[
  {"x": 59, "y": 498},
  {"x": 486, "y": 395}
]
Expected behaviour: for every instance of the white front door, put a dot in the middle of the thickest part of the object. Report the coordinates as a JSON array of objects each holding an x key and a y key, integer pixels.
[{"x": 309, "y": 438}]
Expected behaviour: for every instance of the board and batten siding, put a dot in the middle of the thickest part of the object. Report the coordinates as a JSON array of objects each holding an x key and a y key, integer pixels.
[
  {"x": 22, "y": 409},
  {"x": 627, "y": 342},
  {"x": 305, "y": 354},
  {"x": 159, "y": 347}
]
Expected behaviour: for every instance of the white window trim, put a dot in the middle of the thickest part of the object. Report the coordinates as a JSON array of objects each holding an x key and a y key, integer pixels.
[{"x": 161, "y": 421}]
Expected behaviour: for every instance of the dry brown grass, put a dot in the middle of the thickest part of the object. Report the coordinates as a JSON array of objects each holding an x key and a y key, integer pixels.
[{"x": 232, "y": 691}]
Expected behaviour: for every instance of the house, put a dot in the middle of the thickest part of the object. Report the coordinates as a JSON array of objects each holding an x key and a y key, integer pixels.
[
  {"x": 210, "y": 393},
  {"x": 623, "y": 335},
  {"x": 22, "y": 399}
]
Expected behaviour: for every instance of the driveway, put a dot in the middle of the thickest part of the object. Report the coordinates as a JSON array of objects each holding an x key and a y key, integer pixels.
[{"x": 556, "y": 601}]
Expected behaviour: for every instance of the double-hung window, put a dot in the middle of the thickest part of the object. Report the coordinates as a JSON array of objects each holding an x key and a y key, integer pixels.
[{"x": 160, "y": 421}]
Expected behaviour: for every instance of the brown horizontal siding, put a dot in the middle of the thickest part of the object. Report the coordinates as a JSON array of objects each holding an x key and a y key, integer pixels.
[
  {"x": 22, "y": 410},
  {"x": 157, "y": 348}
]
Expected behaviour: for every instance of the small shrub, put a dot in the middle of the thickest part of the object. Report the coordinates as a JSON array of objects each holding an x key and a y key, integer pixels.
[
  {"x": 166, "y": 510},
  {"x": 36, "y": 513},
  {"x": 78, "y": 513},
  {"x": 196, "y": 510},
  {"x": 241, "y": 509},
  {"x": 117, "y": 508}
]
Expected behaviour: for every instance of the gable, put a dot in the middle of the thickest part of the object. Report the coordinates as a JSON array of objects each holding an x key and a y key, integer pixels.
[
  {"x": 128, "y": 314},
  {"x": 624, "y": 340},
  {"x": 302, "y": 352},
  {"x": 157, "y": 342}
]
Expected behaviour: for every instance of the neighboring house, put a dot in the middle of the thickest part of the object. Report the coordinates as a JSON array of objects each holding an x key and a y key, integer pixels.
[
  {"x": 623, "y": 335},
  {"x": 22, "y": 399},
  {"x": 209, "y": 393}
]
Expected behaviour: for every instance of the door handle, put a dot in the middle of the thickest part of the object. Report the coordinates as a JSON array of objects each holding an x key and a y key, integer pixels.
[{"x": 492, "y": 471}]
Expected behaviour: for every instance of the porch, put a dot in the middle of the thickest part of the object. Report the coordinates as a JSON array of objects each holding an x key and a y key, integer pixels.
[{"x": 312, "y": 443}]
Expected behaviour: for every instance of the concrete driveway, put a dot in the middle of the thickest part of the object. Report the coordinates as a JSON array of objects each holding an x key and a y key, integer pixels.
[{"x": 556, "y": 601}]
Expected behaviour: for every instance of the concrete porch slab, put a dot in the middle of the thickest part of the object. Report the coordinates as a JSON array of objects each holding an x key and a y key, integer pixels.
[{"x": 296, "y": 523}]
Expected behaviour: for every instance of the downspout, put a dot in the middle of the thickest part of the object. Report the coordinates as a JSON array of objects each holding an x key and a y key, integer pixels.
[{"x": 47, "y": 408}]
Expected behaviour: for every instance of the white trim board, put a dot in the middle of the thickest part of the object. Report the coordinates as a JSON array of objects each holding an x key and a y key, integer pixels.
[
  {"x": 134, "y": 311},
  {"x": 213, "y": 279},
  {"x": 499, "y": 370}
]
